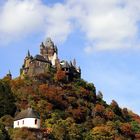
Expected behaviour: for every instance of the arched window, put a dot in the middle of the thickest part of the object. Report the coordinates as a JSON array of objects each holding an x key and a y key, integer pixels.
[{"x": 35, "y": 121}]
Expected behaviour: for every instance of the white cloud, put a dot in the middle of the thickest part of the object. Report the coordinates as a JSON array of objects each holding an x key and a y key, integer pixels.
[
  {"x": 58, "y": 24},
  {"x": 108, "y": 25},
  {"x": 20, "y": 18},
  {"x": 112, "y": 24}
]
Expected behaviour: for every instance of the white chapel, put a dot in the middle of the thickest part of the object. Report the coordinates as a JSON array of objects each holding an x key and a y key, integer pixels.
[{"x": 27, "y": 118}]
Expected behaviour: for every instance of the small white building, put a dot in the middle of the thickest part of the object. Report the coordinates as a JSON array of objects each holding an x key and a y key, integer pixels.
[{"x": 27, "y": 118}]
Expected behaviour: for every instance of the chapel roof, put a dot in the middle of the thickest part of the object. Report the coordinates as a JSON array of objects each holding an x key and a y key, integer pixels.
[{"x": 28, "y": 113}]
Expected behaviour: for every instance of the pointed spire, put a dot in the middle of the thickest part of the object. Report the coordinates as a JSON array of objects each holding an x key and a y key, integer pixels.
[
  {"x": 56, "y": 49},
  {"x": 9, "y": 75},
  {"x": 74, "y": 62},
  {"x": 41, "y": 45},
  {"x": 28, "y": 54},
  {"x": 71, "y": 63},
  {"x": 49, "y": 43},
  {"x": 79, "y": 69},
  {"x": 9, "y": 72}
]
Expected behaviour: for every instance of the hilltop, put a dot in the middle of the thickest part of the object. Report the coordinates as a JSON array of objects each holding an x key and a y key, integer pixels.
[{"x": 69, "y": 107}]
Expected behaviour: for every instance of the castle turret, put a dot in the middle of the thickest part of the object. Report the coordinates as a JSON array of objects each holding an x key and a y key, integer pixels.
[
  {"x": 49, "y": 51},
  {"x": 49, "y": 43},
  {"x": 42, "y": 47},
  {"x": 9, "y": 75},
  {"x": 79, "y": 69},
  {"x": 27, "y": 59},
  {"x": 28, "y": 54},
  {"x": 74, "y": 63}
]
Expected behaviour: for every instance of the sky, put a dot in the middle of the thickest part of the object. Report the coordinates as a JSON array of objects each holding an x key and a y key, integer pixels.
[{"x": 102, "y": 35}]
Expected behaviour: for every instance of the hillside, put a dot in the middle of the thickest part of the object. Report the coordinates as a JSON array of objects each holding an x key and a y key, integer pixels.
[
  {"x": 69, "y": 107},
  {"x": 69, "y": 110}
]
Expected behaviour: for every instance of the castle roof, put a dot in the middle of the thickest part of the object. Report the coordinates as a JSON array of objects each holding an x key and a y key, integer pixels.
[
  {"x": 28, "y": 113},
  {"x": 49, "y": 43},
  {"x": 40, "y": 58},
  {"x": 28, "y": 54},
  {"x": 65, "y": 64},
  {"x": 42, "y": 45},
  {"x": 9, "y": 72}
]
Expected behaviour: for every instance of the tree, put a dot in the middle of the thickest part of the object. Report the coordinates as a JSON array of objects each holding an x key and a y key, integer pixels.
[
  {"x": 3, "y": 133},
  {"x": 7, "y": 101},
  {"x": 99, "y": 110},
  {"x": 89, "y": 136},
  {"x": 115, "y": 107},
  {"x": 97, "y": 121},
  {"x": 126, "y": 115},
  {"x": 43, "y": 88},
  {"x": 60, "y": 76},
  {"x": 103, "y": 133},
  {"x": 99, "y": 95},
  {"x": 109, "y": 114},
  {"x": 66, "y": 129},
  {"x": 126, "y": 129},
  {"x": 135, "y": 126},
  {"x": 23, "y": 134},
  {"x": 6, "y": 120}
]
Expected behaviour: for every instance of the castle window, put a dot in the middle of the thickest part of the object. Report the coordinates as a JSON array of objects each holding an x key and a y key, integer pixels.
[{"x": 35, "y": 121}]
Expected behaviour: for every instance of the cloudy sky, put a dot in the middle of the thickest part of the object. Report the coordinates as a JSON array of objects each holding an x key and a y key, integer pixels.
[{"x": 103, "y": 36}]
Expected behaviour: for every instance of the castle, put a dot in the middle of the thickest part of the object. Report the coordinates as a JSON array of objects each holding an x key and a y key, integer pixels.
[{"x": 47, "y": 59}]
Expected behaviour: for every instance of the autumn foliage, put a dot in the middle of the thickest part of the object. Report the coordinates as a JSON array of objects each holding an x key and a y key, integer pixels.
[
  {"x": 68, "y": 110},
  {"x": 60, "y": 76}
]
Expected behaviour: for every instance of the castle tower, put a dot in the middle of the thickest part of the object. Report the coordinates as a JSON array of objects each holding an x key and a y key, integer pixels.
[
  {"x": 27, "y": 59},
  {"x": 49, "y": 51},
  {"x": 42, "y": 48},
  {"x": 9, "y": 75},
  {"x": 48, "y": 58},
  {"x": 74, "y": 63}
]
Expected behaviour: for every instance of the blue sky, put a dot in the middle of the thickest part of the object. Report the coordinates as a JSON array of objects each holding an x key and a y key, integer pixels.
[{"x": 103, "y": 36}]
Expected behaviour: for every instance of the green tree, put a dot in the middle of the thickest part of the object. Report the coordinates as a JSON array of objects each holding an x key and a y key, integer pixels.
[
  {"x": 3, "y": 133},
  {"x": 66, "y": 130},
  {"x": 103, "y": 133},
  {"x": 22, "y": 134},
  {"x": 7, "y": 101},
  {"x": 7, "y": 121},
  {"x": 135, "y": 126}
]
